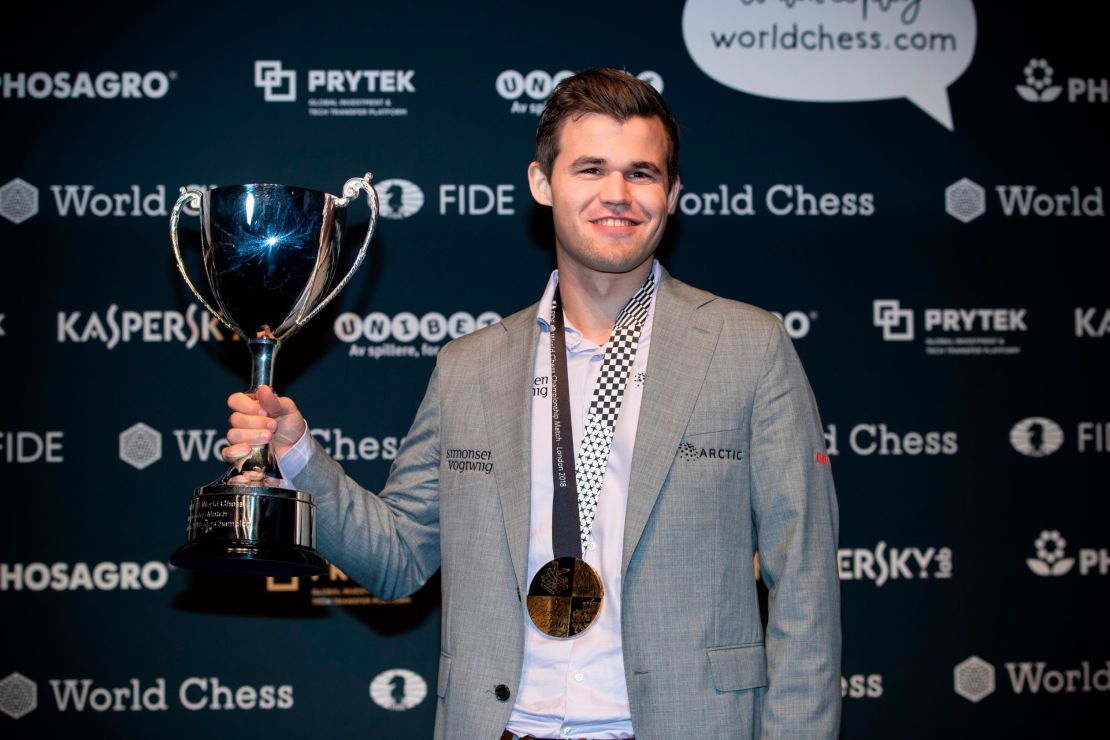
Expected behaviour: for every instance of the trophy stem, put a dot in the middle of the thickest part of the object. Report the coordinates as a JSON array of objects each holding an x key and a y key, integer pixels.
[{"x": 263, "y": 350}]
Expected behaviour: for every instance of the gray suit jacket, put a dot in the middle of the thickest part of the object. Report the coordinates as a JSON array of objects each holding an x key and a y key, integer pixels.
[{"x": 721, "y": 376}]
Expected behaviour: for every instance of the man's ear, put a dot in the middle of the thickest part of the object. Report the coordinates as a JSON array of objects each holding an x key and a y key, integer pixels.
[
  {"x": 540, "y": 184},
  {"x": 672, "y": 197}
]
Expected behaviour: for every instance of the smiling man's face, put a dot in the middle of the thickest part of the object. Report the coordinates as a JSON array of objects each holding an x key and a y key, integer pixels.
[{"x": 608, "y": 192}]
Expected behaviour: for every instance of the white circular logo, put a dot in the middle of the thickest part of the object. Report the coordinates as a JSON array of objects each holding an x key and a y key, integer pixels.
[
  {"x": 398, "y": 689},
  {"x": 398, "y": 198},
  {"x": 1036, "y": 436}
]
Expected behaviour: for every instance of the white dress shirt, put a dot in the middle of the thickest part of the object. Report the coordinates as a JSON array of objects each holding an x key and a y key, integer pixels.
[{"x": 576, "y": 687}]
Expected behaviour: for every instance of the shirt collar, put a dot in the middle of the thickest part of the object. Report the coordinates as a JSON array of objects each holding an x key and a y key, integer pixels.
[{"x": 543, "y": 313}]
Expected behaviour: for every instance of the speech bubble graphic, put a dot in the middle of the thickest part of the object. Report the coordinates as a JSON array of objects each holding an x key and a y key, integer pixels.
[{"x": 835, "y": 50}]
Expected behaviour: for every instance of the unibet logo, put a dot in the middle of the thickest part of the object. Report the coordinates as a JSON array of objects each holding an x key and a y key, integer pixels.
[
  {"x": 399, "y": 198},
  {"x": 1050, "y": 560},
  {"x": 406, "y": 327},
  {"x": 1036, "y": 436},
  {"x": 538, "y": 84},
  {"x": 18, "y": 695},
  {"x": 278, "y": 85},
  {"x": 104, "y": 85},
  {"x": 19, "y": 200},
  {"x": 965, "y": 200},
  {"x": 398, "y": 689},
  {"x": 1038, "y": 87},
  {"x": 974, "y": 679},
  {"x": 140, "y": 446},
  {"x": 883, "y": 563}
]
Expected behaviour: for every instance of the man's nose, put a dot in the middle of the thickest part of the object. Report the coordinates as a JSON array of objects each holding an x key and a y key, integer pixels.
[{"x": 614, "y": 190}]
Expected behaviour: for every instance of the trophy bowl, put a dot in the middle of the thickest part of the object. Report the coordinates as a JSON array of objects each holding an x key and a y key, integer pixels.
[{"x": 270, "y": 254}]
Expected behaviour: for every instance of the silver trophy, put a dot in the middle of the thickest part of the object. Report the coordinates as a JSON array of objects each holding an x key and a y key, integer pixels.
[{"x": 270, "y": 253}]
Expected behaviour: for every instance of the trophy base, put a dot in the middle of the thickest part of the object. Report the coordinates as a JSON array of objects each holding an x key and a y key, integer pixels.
[{"x": 251, "y": 530}]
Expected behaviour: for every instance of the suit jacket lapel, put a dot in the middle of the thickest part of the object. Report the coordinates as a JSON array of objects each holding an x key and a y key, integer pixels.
[
  {"x": 508, "y": 368},
  {"x": 682, "y": 344}
]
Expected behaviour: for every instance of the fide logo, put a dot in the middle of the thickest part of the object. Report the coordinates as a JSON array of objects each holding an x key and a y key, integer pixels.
[
  {"x": 399, "y": 199},
  {"x": 1050, "y": 560},
  {"x": 1036, "y": 436},
  {"x": 398, "y": 689}
]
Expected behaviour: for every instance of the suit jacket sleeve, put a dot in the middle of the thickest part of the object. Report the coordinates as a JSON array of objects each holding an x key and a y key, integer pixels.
[
  {"x": 795, "y": 517},
  {"x": 388, "y": 542}
]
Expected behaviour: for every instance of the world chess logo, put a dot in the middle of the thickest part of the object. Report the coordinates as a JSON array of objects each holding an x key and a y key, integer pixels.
[
  {"x": 1036, "y": 436},
  {"x": 278, "y": 85},
  {"x": 399, "y": 198},
  {"x": 398, "y": 689},
  {"x": 965, "y": 200},
  {"x": 1038, "y": 87},
  {"x": 895, "y": 321},
  {"x": 974, "y": 679},
  {"x": 140, "y": 446},
  {"x": 1050, "y": 560},
  {"x": 18, "y": 695},
  {"x": 19, "y": 200}
]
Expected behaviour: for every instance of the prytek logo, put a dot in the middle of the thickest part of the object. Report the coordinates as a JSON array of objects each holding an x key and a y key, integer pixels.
[
  {"x": 538, "y": 84},
  {"x": 31, "y": 447},
  {"x": 965, "y": 200},
  {"x": 897, "y": 324},
  {"x": 140, "y": 446},
  {"x": 165, "y": 325},
  {"x": 18, "y": 695},
  {"x": 1036, "y": 436},
  {"x": 278, "y": 85},
  {"x": 781, "y": 199},
  {"x": 1088, "y": 322},
  {"x": 975, "y": 678},
  {"x": 895, "y": 321},
  {"x": 868, "y": 439},
  {"x": 19, "y": 200},
  {"x": 1051, "y": 560},
  {"x": 882, "y": 563},
  {"x": 333, "y": 589},
  {"x": 399, "y": 198},
  {"x": 398, "y": 689},
  {"x": 433, "y": 328},
  {"x": 104, "y": 576},
  {"x": 1039, "y": 88},
  {"x": 102, "y": 85}
]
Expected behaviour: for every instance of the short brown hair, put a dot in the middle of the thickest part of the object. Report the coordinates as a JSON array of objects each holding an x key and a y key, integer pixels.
[{"x": 609, "y": 92}]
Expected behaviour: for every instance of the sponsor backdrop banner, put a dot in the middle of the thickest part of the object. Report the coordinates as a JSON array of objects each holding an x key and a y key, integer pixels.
[{"x": 916, "y": 187}]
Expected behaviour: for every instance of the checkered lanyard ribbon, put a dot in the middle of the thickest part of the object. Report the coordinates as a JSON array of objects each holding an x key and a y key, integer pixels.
[{"x": 592, "y": 456}]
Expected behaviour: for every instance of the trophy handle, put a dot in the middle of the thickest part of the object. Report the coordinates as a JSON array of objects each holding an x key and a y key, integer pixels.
[
  {"x": 191, "y": 196},
  {"x": 351, "y": 190}
]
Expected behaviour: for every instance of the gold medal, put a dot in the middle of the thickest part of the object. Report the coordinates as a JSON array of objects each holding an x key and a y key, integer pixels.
[{"x": 565, "y": 597}]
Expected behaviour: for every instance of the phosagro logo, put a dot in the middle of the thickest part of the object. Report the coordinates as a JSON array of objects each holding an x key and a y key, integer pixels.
[
  {"x": 18, "y": 695},
  {"x": 104, "y": 576},
  {"x": 1050, "y": 560},
  {"x": 19, "y": 200},
  {"x": 949, "y": 328},
  {"x": 1039, "y": 77},
  {"x": 398, "y": 689},
  {"x": 399, "y": 198},
  {"x": 538, "y": 84},
  {"x": 433, "y": 328},
  {"x": 102, "y": 85},
  {"x": 884, "y": 563},
  {"x": 1036, "y": 436},
  {"x": 974, "y": 678}
]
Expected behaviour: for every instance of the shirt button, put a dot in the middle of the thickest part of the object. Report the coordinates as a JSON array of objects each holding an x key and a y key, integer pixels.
[
  {"x": 568, "y": 731},
  {"x": 591, "y": 545},
  {"x": 579, "y": 677}
]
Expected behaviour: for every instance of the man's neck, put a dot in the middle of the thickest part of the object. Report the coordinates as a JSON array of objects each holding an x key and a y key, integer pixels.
[{"x": 592, "y": 301}]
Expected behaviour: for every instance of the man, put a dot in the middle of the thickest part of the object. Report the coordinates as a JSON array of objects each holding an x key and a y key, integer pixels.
[{"x": 696, "y": 444}]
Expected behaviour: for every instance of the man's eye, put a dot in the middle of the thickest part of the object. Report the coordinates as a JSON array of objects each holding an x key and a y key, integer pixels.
[{"x": 590, "y": 171}]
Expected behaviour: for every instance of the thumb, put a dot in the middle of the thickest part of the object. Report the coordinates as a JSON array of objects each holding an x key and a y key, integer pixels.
[{"x": 269, "y": 401}]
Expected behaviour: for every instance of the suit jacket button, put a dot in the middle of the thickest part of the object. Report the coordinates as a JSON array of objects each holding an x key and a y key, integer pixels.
[{"x": 501, "y": 691}]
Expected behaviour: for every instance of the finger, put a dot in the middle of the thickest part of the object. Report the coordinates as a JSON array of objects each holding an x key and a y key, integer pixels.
[
  {"x": 248, "y": 436},
  {"x": 236, "y": 452},
  {"x": 245, "y": 404},
  {"x": 239, "y": 420},
  {"x": 270, "y": 401},
  {"x": 248, "y": 477}
]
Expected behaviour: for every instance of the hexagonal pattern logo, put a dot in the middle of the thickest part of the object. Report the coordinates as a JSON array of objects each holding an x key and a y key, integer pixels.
[
  {"x": 140, "y": 446},
  {"x": 18, "y": 695},
  {"x": 974, "y": 679},
  {"x": 19, "y": 200},
  {"x": 965, "y": 200}
]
